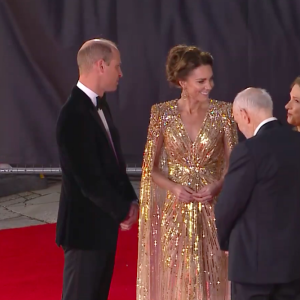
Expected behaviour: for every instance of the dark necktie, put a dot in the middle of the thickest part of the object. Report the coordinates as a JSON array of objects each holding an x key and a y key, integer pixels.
[{"x": 100, "y": 103}]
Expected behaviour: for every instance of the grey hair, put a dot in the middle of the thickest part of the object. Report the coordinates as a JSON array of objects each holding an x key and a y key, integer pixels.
[
  {"x": 94, "y": 50},
  {"x": 254, "y": 98}
]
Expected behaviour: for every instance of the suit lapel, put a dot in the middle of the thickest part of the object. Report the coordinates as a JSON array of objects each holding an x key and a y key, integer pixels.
[
  {"x": 98, "y": 120},
  {"x": 116, "y": 140},
  {"x": 88, "y": 104},
  {"x": 113, "y": 132},
  {"x": 95, "y": 115}
]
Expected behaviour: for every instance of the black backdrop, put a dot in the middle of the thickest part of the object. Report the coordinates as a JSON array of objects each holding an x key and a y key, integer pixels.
[{"x": 254, "y": 43}]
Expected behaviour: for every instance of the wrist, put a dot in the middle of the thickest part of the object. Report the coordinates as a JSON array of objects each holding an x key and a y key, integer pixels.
[{"x": 172, "y": 186}]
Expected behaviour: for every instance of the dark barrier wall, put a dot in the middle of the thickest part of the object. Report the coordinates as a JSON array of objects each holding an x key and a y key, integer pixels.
[{"x": 254, "y": 43}]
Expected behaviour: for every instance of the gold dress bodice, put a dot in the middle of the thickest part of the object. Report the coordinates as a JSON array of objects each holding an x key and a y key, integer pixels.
[
  {"x": 199, "y": 162},
  {"x": 179, "y": 256}
]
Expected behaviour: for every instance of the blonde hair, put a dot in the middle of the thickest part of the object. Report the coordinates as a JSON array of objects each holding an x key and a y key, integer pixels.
[
  {"x": 296, "y": 81},
  {"x": 94, "y": 50}
]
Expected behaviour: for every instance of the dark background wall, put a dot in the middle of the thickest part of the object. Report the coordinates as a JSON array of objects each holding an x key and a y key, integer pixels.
[{"x": 254, "y": 43}]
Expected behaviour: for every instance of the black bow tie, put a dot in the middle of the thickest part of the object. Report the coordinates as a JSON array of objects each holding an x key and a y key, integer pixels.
[{"x": 100, "y": 102}]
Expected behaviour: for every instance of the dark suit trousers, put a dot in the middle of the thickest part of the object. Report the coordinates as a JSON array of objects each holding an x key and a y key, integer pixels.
[
  {"x": 87, "y": 274},
  {"x": 284, "y": 291}
]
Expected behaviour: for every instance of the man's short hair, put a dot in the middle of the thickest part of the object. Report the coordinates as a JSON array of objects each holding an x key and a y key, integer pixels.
[
  {"x": 254, "y": 98},
  {"x": 94, "y": 50}
]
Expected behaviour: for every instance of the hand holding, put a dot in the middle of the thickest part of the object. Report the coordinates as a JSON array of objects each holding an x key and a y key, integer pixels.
[
  {"x": 207, "y": 193},
  {"x": 183, "y": 193}
]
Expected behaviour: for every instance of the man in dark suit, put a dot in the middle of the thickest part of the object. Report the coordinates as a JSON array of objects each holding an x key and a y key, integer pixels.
[
  {"x": 258, "y": 210},
  {"x": 96, "y": 196}
]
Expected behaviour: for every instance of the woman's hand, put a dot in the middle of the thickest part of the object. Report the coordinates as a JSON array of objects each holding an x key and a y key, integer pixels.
[
  {"x": 207, "y": 193},
  {"x": 183, "y": 193}
]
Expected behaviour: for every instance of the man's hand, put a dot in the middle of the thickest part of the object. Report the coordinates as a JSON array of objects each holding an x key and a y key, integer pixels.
[{"x": 131, "y": 218}]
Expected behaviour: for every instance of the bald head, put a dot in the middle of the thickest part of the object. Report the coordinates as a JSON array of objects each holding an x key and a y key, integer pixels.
[
  {"x": 94, "y": 50},
  {"x": 254, "y": 99},
  {"x": 251, "y": 107}
]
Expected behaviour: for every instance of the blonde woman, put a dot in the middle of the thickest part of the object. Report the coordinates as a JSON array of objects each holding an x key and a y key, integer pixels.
[{"x": 293, "y": 106}]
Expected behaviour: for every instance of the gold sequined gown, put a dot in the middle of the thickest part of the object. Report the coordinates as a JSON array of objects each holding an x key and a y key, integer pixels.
[{"x": 179, "y": 256}]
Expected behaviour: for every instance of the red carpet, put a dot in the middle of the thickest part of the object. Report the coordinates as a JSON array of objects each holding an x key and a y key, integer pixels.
[{"x": 31, "y": 265}]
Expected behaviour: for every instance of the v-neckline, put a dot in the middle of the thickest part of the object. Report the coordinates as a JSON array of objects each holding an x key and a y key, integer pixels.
[{"x": 201, "y": 127}]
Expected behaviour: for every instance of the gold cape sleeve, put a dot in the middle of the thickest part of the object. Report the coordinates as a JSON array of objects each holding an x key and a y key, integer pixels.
[
  {"x": 230, "y": 127},
  {"x": 151, "y": 200}
]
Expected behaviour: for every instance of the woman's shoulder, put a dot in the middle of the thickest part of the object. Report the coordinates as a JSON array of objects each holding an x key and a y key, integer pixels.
[
  {"x": 224, "y": 108},
  {"x": 164, "y": 107},
  {"x": 222, "y": 104}
]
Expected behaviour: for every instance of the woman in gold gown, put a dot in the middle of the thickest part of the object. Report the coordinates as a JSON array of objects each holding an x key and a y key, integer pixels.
[
  {"x": 185, "y": 159},
  {"x": 293, "y": 106}
]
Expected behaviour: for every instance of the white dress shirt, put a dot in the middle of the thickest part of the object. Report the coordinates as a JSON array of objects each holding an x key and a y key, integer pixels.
[
  {"x": 263, "y": 123},
  {"x": 93, "y": 96}
]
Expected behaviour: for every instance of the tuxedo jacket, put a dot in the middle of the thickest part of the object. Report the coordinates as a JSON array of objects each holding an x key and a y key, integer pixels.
[
  {"x": 96, "y": 193},
  {"x": 258, "y": 210}
]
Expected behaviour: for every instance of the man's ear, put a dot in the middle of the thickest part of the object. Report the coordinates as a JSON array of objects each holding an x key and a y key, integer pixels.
[
  {"x": 246, "y": 116},
  {"x": 100, "y": 65}
]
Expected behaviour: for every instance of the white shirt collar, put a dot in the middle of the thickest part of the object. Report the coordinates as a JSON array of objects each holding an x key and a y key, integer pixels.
[
  {"x": 263, "y": 123},
  {"x": 92, "y": 95}
]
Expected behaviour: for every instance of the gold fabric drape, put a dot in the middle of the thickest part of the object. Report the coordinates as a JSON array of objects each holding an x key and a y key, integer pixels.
[{"x": 179, "y": 256}]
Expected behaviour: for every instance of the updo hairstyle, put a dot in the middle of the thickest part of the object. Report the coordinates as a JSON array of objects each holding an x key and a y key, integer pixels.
[{"x": 182, "y": 60}]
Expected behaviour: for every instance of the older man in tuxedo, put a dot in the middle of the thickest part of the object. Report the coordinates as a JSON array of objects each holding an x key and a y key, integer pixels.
[
  {"x": 258, "y": 211},
  {"x": 97, "y": 196}
]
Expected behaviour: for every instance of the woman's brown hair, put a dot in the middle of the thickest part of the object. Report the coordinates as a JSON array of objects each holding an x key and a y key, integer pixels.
[{"x": 183, "y": 59}]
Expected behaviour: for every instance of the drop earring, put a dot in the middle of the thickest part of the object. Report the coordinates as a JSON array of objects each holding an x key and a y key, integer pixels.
[{"x": 184, "y": 95}]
